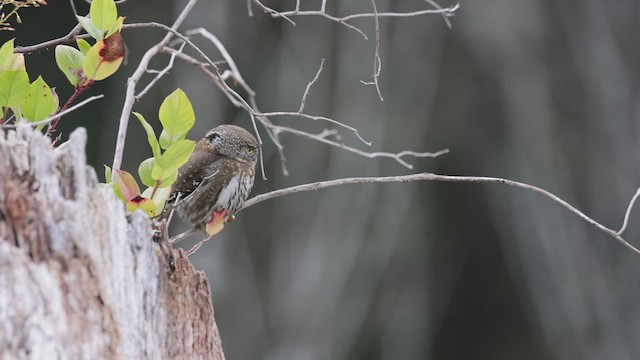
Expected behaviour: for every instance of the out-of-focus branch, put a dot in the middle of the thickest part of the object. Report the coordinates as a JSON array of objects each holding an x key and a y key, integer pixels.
[
  {"x": 264, "y": 118},
  {"x": 287, "y": 15},
  {"x": 133, "y": 81},
  {"x": 58, "y": 115},
  {"x": 70, "y": 37},
  {"x": 377, "y": 61},
  {"x": 449, "y": 178}
]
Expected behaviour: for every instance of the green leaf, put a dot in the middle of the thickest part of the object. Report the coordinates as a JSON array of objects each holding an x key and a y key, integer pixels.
[
  {"x": 166, "y": 139},
  {"x": 96, "y": 67},
  {"x": 168, "y": 181},
  {"x": 6, "y": 55},
  {"x": 175, "y": 156},
  {"x": 107, "y": 174},
  {"x": 161, "y": 196},
  {"x": 141, "y": 203},
  {"x": 127, "y": 185},
  {"x": 176, "y": 114},
  {"x": 144, "y": 170},
  {"x": 117, "y": 26},
  {"x": 14, "y": 86},
  {"x": 70, "y": 61},
  {"x": 39, "y": 102},
  {"x": 90, "y": 28},
  {"x": 103, "y": 13},
  {"x": 17, "y": 62},
  {"x": 151, "y": 136},
  {"x": 83, "y": 45}
]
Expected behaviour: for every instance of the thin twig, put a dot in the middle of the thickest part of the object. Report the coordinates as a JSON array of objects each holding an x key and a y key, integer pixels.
[
  {"x": 309, "y": 85},
  {"x": 377, "y": 61},
  {"x": 159, "y": 74},
  {"x": 628, "y": 212},
  {"x": 449, "y": 11},
  {"x": 443, "y": 178},
  {"x": 133, "y": 81},
  {"x": 60, "y": 114},
  {"x": 70, "y": 37},
  {"x": 274, "y": 130}
]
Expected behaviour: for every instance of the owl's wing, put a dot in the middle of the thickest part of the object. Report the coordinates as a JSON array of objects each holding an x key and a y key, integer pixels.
[{"x": 192, "y": 175}]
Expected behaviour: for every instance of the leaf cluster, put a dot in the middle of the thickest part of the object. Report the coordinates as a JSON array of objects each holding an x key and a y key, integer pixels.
[{"x": 170, "y": 151}]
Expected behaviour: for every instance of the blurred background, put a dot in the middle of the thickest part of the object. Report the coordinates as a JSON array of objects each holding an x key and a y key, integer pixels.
[{"x": 542, "y": 92}]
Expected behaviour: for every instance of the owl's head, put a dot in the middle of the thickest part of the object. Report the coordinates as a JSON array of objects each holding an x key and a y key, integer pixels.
[{"x": 235, "y": 142}]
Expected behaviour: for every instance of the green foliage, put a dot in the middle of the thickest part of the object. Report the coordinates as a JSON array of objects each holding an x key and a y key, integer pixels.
[
  {"x": 70, "y": 60},
  {"x": 97, "y": 66},
  {"x": 83, "y": 45},
  {"x": 6, "y": 54},
  {"x": 90, "y": 28},
  {"x": 97, "y": 62},
  {"x": 41, "y": 101},
  {"x": 103, "y": 14},
  {"x": 14, "y": 86},
  {"x": 177, "y": 117},
  {"x": 159, "y": 172}
]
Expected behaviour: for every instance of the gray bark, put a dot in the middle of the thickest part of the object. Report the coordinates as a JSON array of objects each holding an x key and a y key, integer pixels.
[{"x": 81, "y": 279}]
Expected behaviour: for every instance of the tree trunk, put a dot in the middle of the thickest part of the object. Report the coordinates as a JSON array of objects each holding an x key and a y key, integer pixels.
[{"x": 80, "y": 279}]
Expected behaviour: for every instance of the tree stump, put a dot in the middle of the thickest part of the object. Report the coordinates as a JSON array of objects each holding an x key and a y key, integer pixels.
[{"x": 81, "y": 279}]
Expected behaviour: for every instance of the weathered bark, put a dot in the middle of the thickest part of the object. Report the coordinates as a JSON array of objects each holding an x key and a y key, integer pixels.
[{"x": 79, "y": 279}]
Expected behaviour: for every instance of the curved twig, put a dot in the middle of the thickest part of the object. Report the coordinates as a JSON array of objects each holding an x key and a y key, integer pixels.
[{"x": 446, "y": 178}]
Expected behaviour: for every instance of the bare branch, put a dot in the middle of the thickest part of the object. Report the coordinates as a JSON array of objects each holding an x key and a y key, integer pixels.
[
  {"x": 70, "y": 37},
  {"x": 159, "y": 74},
  {"x": 309, "y": 85},
  {"x": 133, "y": 81},
  {"x": 443, "y": 178},
  {"x": 58, "y": 115},
  {"x": 445, "y": 12},
  {"x": 377, "y": 62},
  {"x": 273, "y": 130},
  {"x": 628, "y": 212}
]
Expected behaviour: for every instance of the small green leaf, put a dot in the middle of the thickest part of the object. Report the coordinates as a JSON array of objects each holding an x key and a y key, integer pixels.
[
  {"x": 117, "y": 26},
  {"x": 127, "y": 185},
  {"x": 161, "y": 196},
  {"x": 39, "y": 102},
  {"x": 90, "y": 28},
  {"x": 6, "y": 55},
  {"x": 144, "y": 170},
  {"x": 168, "y": 181},
  {"x": 103, "y": 14},
  {"x": 166, "y": 139},
  {"x": 70, "y": 61},
  {"x": 96, "y": 67},
  {"x": 175, "y": 156},
  {"x": 151, "y": 136},
  {"x": 14, "y": 86},
  {"x": 107, "y": 174},
  {"x": 17, "y": 62},
  {"x": 83, "y": 45},
  {"x": 141, "y": 203},
  {"x": 176, "y": 114}
]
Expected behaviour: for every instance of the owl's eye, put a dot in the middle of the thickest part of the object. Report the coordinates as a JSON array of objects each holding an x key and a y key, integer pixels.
[
  {"x": 213, "y": 136},
  {"x": 250, "y": 150}
]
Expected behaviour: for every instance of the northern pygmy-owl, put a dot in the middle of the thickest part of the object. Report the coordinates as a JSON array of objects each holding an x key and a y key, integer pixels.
[{"x": 216, "y": 180}]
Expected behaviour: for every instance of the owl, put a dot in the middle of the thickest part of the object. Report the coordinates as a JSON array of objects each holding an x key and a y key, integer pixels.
[{"x": 217, "y": 179}]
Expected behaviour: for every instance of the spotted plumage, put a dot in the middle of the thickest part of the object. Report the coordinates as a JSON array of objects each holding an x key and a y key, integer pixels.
[{"x": 218, "y": 176}]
